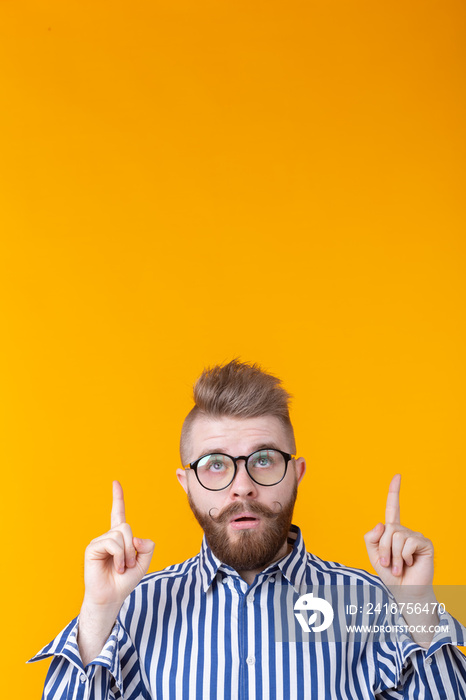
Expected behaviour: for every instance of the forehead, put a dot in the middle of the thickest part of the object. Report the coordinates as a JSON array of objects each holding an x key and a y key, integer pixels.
[{"x": 236, "y": 436}]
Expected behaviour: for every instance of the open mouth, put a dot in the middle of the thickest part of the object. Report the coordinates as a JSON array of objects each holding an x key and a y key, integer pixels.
[{"x": 244, "y": 521}]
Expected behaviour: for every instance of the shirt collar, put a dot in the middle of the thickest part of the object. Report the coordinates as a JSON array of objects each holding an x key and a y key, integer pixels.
[{"x": 292, "y": 567}]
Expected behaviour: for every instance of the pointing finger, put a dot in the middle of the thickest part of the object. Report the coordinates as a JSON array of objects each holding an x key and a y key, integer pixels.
[
  {"x": 118, "y": 506},
  {"x": 392, "y": 510}
]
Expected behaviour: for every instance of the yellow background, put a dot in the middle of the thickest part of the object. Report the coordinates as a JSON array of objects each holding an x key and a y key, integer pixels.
[{"x": 185, "y": 182}]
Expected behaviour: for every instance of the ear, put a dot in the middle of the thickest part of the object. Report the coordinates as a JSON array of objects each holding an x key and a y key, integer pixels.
[
  {"x": 182, "y": 478},
  {"x": 300, "y": 467}
]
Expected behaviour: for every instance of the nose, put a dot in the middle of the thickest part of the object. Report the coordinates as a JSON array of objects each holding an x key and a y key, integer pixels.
[{"x": 242, "y": 486}]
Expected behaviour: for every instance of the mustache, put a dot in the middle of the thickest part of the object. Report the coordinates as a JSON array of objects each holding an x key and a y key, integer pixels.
[{"x": 237, "y": 508}]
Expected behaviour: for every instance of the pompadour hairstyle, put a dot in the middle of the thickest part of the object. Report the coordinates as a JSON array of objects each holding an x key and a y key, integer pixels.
[{"x": 238, "y": 390}]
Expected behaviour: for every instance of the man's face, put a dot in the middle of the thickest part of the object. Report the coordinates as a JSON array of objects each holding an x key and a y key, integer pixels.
[{"x": 246, "y": 524}]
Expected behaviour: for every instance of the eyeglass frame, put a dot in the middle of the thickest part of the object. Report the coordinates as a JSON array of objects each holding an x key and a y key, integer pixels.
[{"x": 286, "y": 455}]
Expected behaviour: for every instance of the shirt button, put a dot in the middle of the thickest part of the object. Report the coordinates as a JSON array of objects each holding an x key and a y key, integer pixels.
[
  {"x": 250, "y": 598},
  {"x": 272, "y": 579},
  {"x": 250, "y": 660},
  {"x": 429, "y": 660},
  {"x": 83, "y": 678}
]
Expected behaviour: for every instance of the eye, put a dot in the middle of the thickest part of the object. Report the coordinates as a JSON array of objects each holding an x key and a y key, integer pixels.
[
  {"x": 263, "y": 459},
  {"x": 216, "y": 466}
]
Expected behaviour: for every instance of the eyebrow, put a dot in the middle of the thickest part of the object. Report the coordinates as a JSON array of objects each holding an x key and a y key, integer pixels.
[{"x": 260, "y": 446}]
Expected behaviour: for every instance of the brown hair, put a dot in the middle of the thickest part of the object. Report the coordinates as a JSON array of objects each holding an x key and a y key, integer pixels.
[{"x": 240, "y": 390}]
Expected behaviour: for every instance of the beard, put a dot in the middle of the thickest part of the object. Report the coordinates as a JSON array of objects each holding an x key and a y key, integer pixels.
[{"x": 247, "y": 550}]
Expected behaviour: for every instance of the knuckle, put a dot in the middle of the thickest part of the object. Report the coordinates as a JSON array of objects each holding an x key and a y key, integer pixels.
[
  {"x": 97, "y": 539},
  {"x": 389, "y": 528},
  {"x": 93, "y": 544},
  {"x": 385, "y": 544},
  {"x": 126, "y": 531},
  {"x": 116, "y": 537}
]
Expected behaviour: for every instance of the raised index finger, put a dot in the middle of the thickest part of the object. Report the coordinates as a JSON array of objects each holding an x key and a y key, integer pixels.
[
  {"x": 392, "y": 510},
  {"x": 118, "y": 505}
]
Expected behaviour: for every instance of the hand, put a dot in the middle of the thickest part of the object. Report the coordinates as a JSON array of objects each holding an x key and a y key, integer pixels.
[
  {"x": 115, "y": 562},
  {"x": 400, "y": 556},
  {"x": 113, "y": 566},
  {"x": 404, "y": 560}
]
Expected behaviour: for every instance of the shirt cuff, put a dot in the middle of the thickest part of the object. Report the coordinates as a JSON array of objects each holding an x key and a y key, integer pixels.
[
  {"x": 66, "y": 645},
  {"x": 450, "y": 631}
]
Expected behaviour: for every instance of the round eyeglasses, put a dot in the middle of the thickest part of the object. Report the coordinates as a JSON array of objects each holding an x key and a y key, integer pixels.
[{"x": 216, "y": 471}]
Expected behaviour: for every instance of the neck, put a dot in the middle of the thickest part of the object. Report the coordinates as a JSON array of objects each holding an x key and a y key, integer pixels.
[{"x": 251, "y": 574}]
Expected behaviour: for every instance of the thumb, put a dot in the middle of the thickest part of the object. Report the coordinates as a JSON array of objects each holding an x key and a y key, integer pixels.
[
  {"x": 144, "y": 549},
  {"x": 372, "y": 539}
]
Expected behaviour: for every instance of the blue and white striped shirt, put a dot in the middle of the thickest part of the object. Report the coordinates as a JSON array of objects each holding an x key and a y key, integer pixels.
[{"x": 196, "y": 630}]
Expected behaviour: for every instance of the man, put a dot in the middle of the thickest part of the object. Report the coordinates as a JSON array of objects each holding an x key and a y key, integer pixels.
[{"x": 218, "y": 625}]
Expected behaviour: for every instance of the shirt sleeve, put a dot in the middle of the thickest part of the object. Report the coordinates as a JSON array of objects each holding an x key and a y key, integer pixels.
[
  {"x": 424, "y": 674},
  {"x": 101, "y": 679}
]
